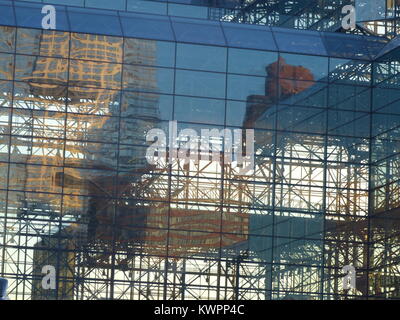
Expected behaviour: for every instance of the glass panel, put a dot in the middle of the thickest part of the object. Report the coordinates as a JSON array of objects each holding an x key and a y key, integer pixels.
[
  {"x": 301, "y": 119},
  {"x": 197, "y": 83},
  {"x": 40, "y": 69},
  {"x": 7, "y": 39},
  {"x": 6, "y": 66},
  {"x": 133, "y": 131},
  {"x": 107, "y": 4},
  {"x": 147, "y": 105},
  {"x": 7, "y": 17},
  {"x": 147, "y": 6},
  {"x": 249, "y": 36},
  {"x": 92, "y": 128},
  {"x": 346, "y": 46},
  {"x": 36, "y": 96},
  {"x": 95, "y": 74},
  {"x": 96, "y": 47},
  {"x": 242, "y": 87},
  {"x": 5, "y": 94},
  {"x": 243, "y": 114},
  {"x": 187, "y": 11},
  {"x": 149, "y": 52},
  {"x": 38, "y": 123},
  {"x": 44, "y": 150},
  {"x": 93, "y": 101},
  {"x": 148, "y": 79},
  {"x": 383, "y": 97},
  {"x": 297, "y": 41},
  {"x": 43, "y": 42},
  {"x": 353, "y": 72},
  {"x": 146, "y": 26},
  {"x": 301, "y": 67},
  {"x": 349, "y": 97},
  {"x": 207, "y": 32},
  {"x": 311, "y": 94},
  {"x": 83, "y": 154},
  {"x": 201, "y": 57},
  {"x": 199, "y": 110},
  {"x": 347, "y": 123},
  {"x": 251, "y": 62},
  {"x": 94, "y": 21},
  {"x": 30, "y": 15}
]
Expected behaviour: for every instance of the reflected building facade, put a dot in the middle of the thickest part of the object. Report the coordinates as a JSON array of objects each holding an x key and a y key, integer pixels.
[{"x": 78, "y": 194}]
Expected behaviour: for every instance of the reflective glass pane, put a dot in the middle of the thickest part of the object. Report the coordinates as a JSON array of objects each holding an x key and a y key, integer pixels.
[
  {"x": 7, "y": 39},
  {"x": 347, "y": 123},
  {"x": 93, "y": 101},
  {"x": 249, "y": 36},
  {"x": 148, "y": 79},
  {"x": 94, "y": 21},
  {"x": 251, "y": 62},
  {"x": 147, "y": 6},
  {"x": 301, "y": 119},
  {"x": 39, "y": 96},
  {"x": 242, "y": 87},
  {"x": 96, "y": 47},
  {"x": 346, "y": 46},
  {"x": 301, "y": 67},
  {"x": 149, "y": 52},
  {"x": 297, "y": 41},
  {"x": 30, "y": 15},
  {"x": 95, "y": 74},
  {"x": 199, "y": 110},
  {"x": 6, "y": 66},
  {"x": 41, "y": 69},
  {"x": 198, "y": 31},
  {"x": 43, "y": 42},
  {"x": 355, "y": 72},
  {"x": 197, "y": 83},
  {"x": 7, "y": 17},
  {"x": 146, "y": 26},
  {"x": 199, "y": 57},
  {"x": 146, "y": 105},
  {"x": 96, "y": 128}
]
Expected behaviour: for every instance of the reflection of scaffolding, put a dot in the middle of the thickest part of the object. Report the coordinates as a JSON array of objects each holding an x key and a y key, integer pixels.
[
  {"x": 322, "y": 15},
  {"x": 117, "y": 247}
]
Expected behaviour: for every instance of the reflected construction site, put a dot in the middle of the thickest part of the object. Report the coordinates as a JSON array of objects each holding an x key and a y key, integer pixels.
[{"x": 78, "y": 194}]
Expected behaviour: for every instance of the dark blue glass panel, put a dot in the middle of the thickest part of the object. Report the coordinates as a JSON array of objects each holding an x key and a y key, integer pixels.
[
  {"x": 375, "y": 45},
  {"x": 200, "y": 57},
  {"x": 153, "y": 52},
  {"x": 199, "y": 83},
  {"x": 301, "y": 119},
  {"x": 256, "y": 61},
  {"x": 7, "y": 14},
  {"x": 299, "y": 41},
  {"x": 198, "y": 31},
  {"x": 147, "y": 6},
  {"x": 94, "y": 21},
  {"x": 249, "y": 36},
  {"x": 355, "y": 124},
  {"x": 201, "y": 110},
  {"x": 346, "y": 46},
  {"x": 148, "y": 79},
  {"x": 315, "y": 66},
  {"x": 242, "y": 87},
  {"x": 395, "y": 43},
  {"x": 107, "y": 4},
  {"x": 355, "y": 72},
  {"x": 30, "y": 15},
  {"x": 180, "y": 10},
  {"x": 146, "y": 26}
]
